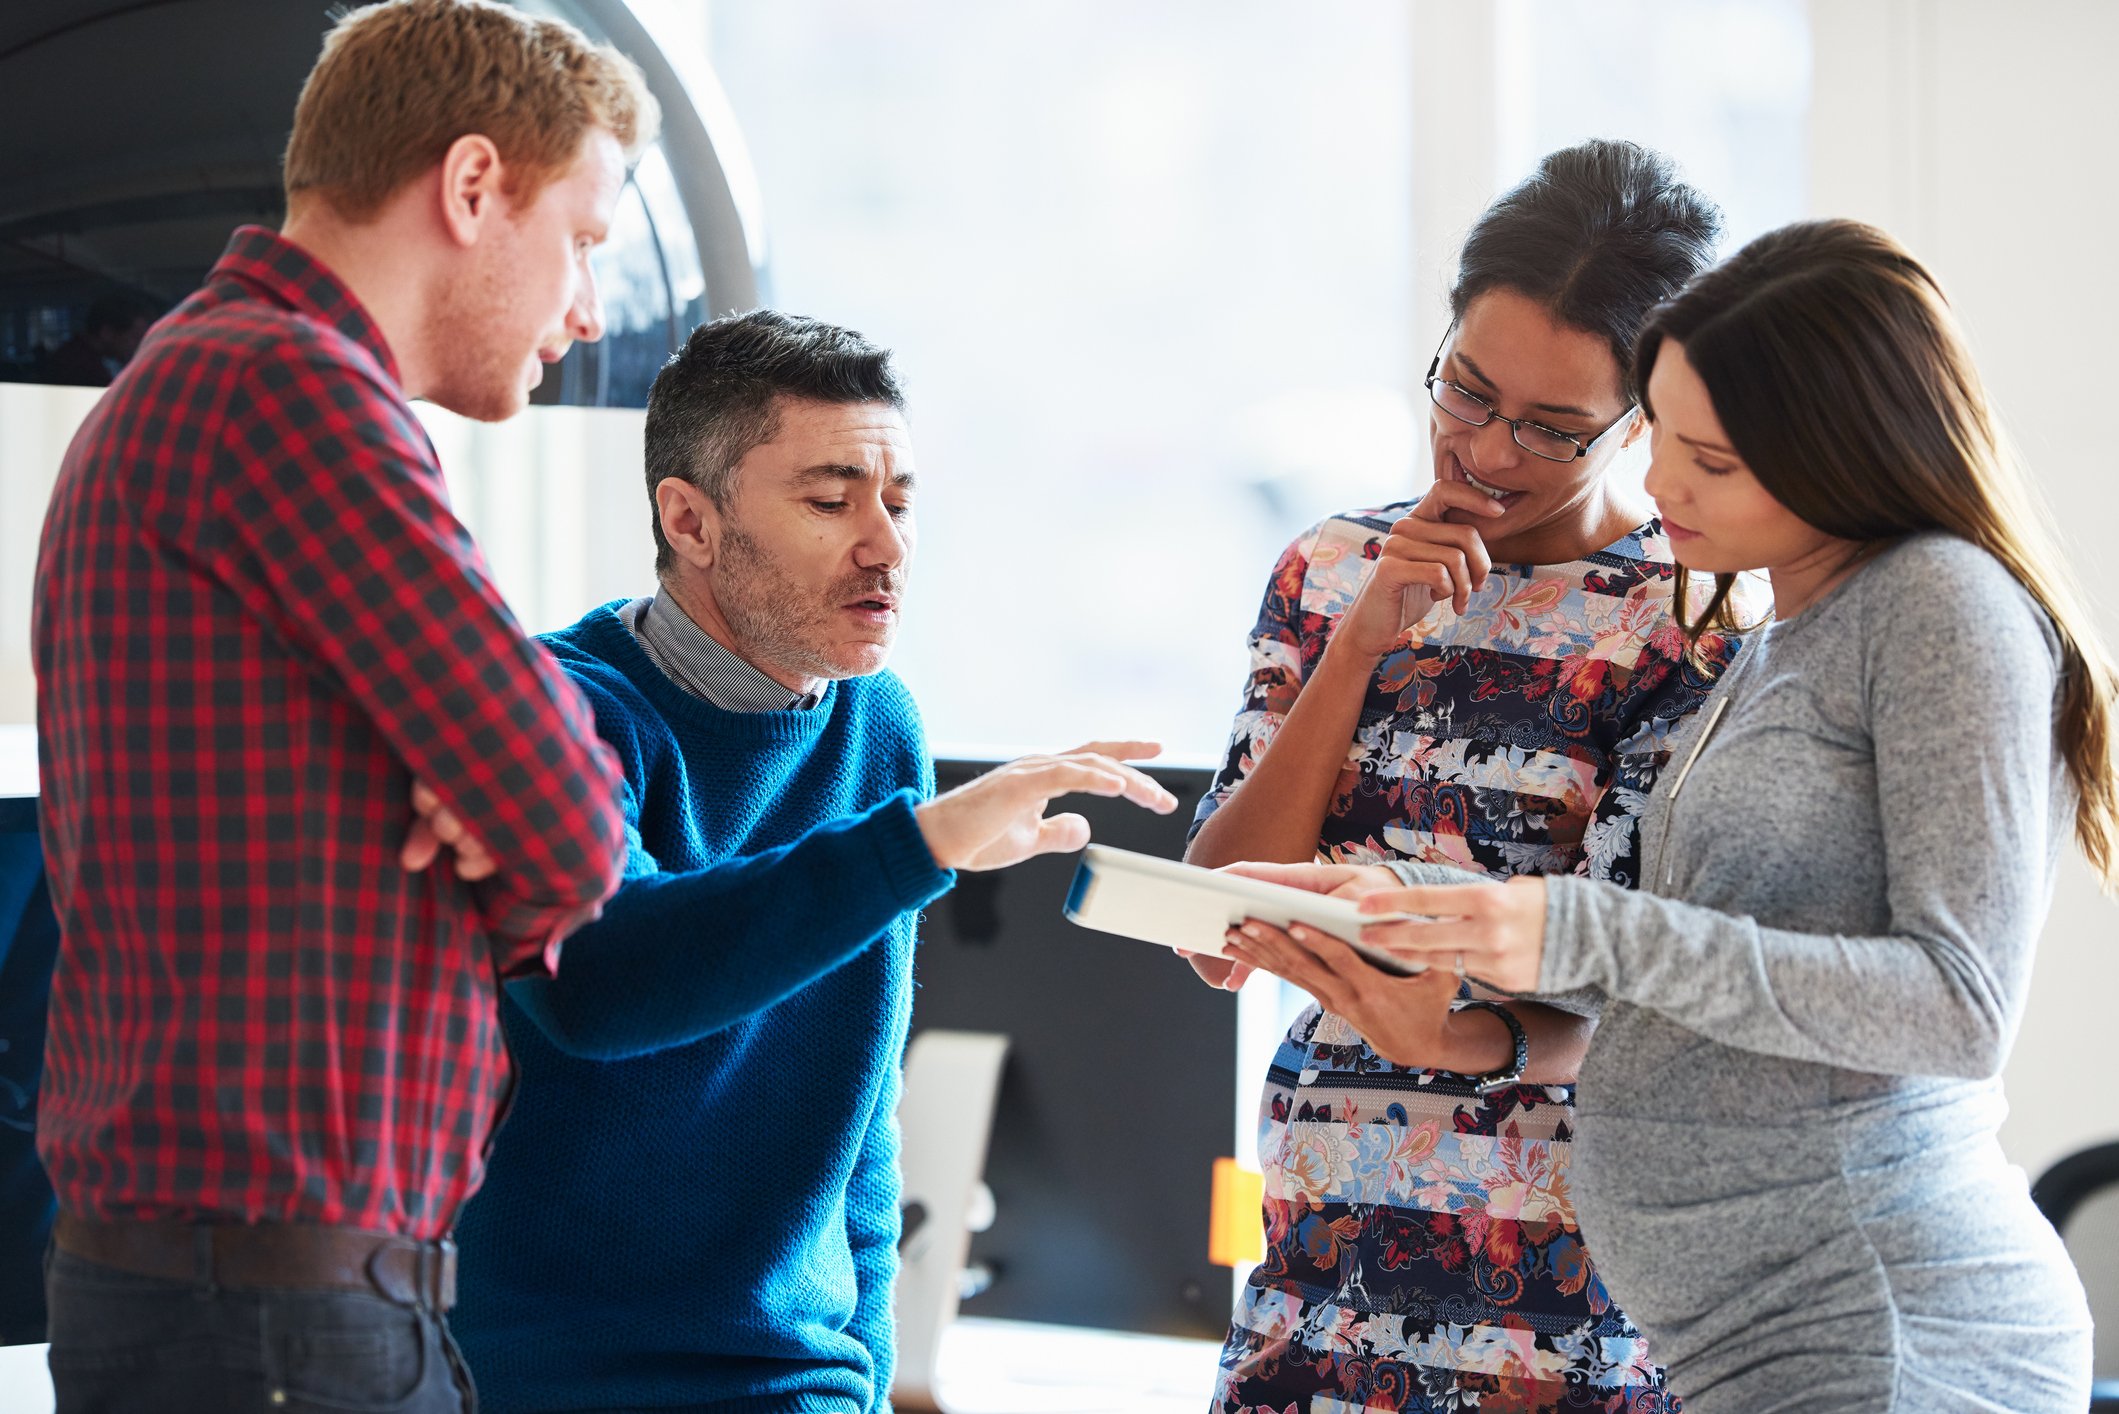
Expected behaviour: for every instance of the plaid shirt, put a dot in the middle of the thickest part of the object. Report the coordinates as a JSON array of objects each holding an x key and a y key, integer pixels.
[{"x": 257, "y": 622}]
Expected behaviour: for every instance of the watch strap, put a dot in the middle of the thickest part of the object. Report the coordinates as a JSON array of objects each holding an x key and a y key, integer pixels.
[{"x": 1512, "y": 1073}]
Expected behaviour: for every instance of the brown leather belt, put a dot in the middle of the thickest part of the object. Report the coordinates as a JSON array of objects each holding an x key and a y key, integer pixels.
[{"x": 270, "y": 1255}]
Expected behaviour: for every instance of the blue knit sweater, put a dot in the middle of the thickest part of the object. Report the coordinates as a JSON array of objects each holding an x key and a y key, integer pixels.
[{"x": 694, "y": 1201}]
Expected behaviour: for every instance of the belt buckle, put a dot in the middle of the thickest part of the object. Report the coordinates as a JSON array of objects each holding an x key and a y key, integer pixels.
[
  {"x": 432, "y": 1275},
  {"x": 445, "y": 1262}
]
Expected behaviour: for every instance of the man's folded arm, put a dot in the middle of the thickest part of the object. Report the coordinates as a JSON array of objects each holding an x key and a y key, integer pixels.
[
  {"x": 678, "y": 956},
  {"x": 333, "y": 525}
]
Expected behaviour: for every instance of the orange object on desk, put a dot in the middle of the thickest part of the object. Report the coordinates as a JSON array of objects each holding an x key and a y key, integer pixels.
[{"x": 1236, "y": 1229}]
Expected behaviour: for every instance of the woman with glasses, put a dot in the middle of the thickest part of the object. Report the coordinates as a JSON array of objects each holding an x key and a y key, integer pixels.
[
  {"x": 1787, "y": 1158},
  {"x": 1482, "y": 681}
]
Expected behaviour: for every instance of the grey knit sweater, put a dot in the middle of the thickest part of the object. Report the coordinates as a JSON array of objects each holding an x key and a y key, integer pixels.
[{"x": 1786, "y": 1162}]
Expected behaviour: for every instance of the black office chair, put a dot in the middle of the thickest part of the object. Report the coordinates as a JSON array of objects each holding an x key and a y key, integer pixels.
[{"x": 2062, "y": 1195}]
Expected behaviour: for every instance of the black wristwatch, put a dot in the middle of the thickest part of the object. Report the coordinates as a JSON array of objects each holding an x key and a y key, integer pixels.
[{"x": 1512, "y": 1073}]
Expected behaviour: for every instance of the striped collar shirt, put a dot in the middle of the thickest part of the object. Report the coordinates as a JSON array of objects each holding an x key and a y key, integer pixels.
[{"x": 690, "y": 657}]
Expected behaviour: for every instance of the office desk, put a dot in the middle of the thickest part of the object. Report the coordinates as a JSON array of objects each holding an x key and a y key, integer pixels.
[
  {"x": 1014, "y": 1367},
  {"x": 987, "y": 1367},
  {"x": 25, "y": 1380}
]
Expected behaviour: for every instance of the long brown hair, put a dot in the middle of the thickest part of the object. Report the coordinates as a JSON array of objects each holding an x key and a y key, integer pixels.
[{"x": 1844, "y": 383}]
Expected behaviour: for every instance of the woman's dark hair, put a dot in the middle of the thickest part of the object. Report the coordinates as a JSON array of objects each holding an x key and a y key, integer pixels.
[
  {"x": 1843, "y": 382},
  {"x": 1600, "y": 234}
]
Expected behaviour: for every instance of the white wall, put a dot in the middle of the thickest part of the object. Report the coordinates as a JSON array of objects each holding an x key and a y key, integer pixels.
[
  {"x": 35, "y": 425},
  {"x": 555, "y": 497},
  {"x": 1977, "y": 133}
]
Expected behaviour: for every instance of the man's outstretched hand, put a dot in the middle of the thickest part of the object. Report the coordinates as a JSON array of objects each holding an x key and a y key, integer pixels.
[{"x": 999, "y": 819}]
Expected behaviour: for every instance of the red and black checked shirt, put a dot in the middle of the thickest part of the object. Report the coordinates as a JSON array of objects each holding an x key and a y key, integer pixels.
[{"x": 256, "y": 623}]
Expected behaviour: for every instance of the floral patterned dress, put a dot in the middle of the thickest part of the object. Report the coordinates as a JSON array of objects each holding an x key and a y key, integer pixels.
[{"x": 1421, "y": 1247}]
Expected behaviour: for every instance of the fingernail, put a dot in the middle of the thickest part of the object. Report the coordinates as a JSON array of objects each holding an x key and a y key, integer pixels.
[{"x": 1250, "y": 932}]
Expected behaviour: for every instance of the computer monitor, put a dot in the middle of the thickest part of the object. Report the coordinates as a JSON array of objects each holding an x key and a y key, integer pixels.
[{"x": 1117, "y": 1096}]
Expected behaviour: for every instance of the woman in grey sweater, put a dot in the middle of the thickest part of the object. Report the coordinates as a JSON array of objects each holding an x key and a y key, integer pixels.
[{"x": 1786, "y": 1159}]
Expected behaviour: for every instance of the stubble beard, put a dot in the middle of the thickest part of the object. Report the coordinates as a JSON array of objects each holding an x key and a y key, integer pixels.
[
  {"x": 774, "y": 619},
  {"x": 468, "y": 329}
]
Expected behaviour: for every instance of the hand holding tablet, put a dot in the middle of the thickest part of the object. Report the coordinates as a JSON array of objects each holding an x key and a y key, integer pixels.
[{"x": 1191, "y": 909}]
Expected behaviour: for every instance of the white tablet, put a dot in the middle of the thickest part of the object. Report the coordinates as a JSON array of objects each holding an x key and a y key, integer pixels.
[{"x": 1187, "y": 907}]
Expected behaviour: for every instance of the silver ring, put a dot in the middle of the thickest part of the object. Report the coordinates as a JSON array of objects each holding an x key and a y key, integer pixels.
[{"x": 1460, "y": 967}]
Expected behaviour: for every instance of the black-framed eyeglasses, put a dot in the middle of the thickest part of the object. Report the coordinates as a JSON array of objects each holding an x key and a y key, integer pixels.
[{"x": 1474, "y": 411}]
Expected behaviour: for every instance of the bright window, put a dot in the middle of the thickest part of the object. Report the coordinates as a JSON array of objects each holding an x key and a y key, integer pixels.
[
  {"x": 1150, "y": 272},
  {"x": 1144, "y": 268},
  {"x": 1723, "y": 86}
]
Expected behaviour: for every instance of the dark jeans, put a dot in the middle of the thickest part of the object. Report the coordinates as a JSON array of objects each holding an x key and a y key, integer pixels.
[{"x": 121, "y": 1343}]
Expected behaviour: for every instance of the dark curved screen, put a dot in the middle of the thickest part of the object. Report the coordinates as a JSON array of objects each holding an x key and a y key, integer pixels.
[{"x": 141, "y": 133}]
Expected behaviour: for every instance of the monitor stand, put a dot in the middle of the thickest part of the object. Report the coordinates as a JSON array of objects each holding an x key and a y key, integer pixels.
[{"x": 945, "y": 1117}]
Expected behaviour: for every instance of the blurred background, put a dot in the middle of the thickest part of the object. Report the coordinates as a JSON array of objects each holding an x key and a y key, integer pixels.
[{"x": 1162, "y": 280}]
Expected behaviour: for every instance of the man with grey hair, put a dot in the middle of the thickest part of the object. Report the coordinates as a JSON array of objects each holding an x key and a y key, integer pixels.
[{"x": 695, "y": 1202}]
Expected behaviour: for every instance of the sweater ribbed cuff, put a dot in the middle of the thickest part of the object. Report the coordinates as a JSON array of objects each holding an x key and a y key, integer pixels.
[{"x": 908, "y": 864}]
